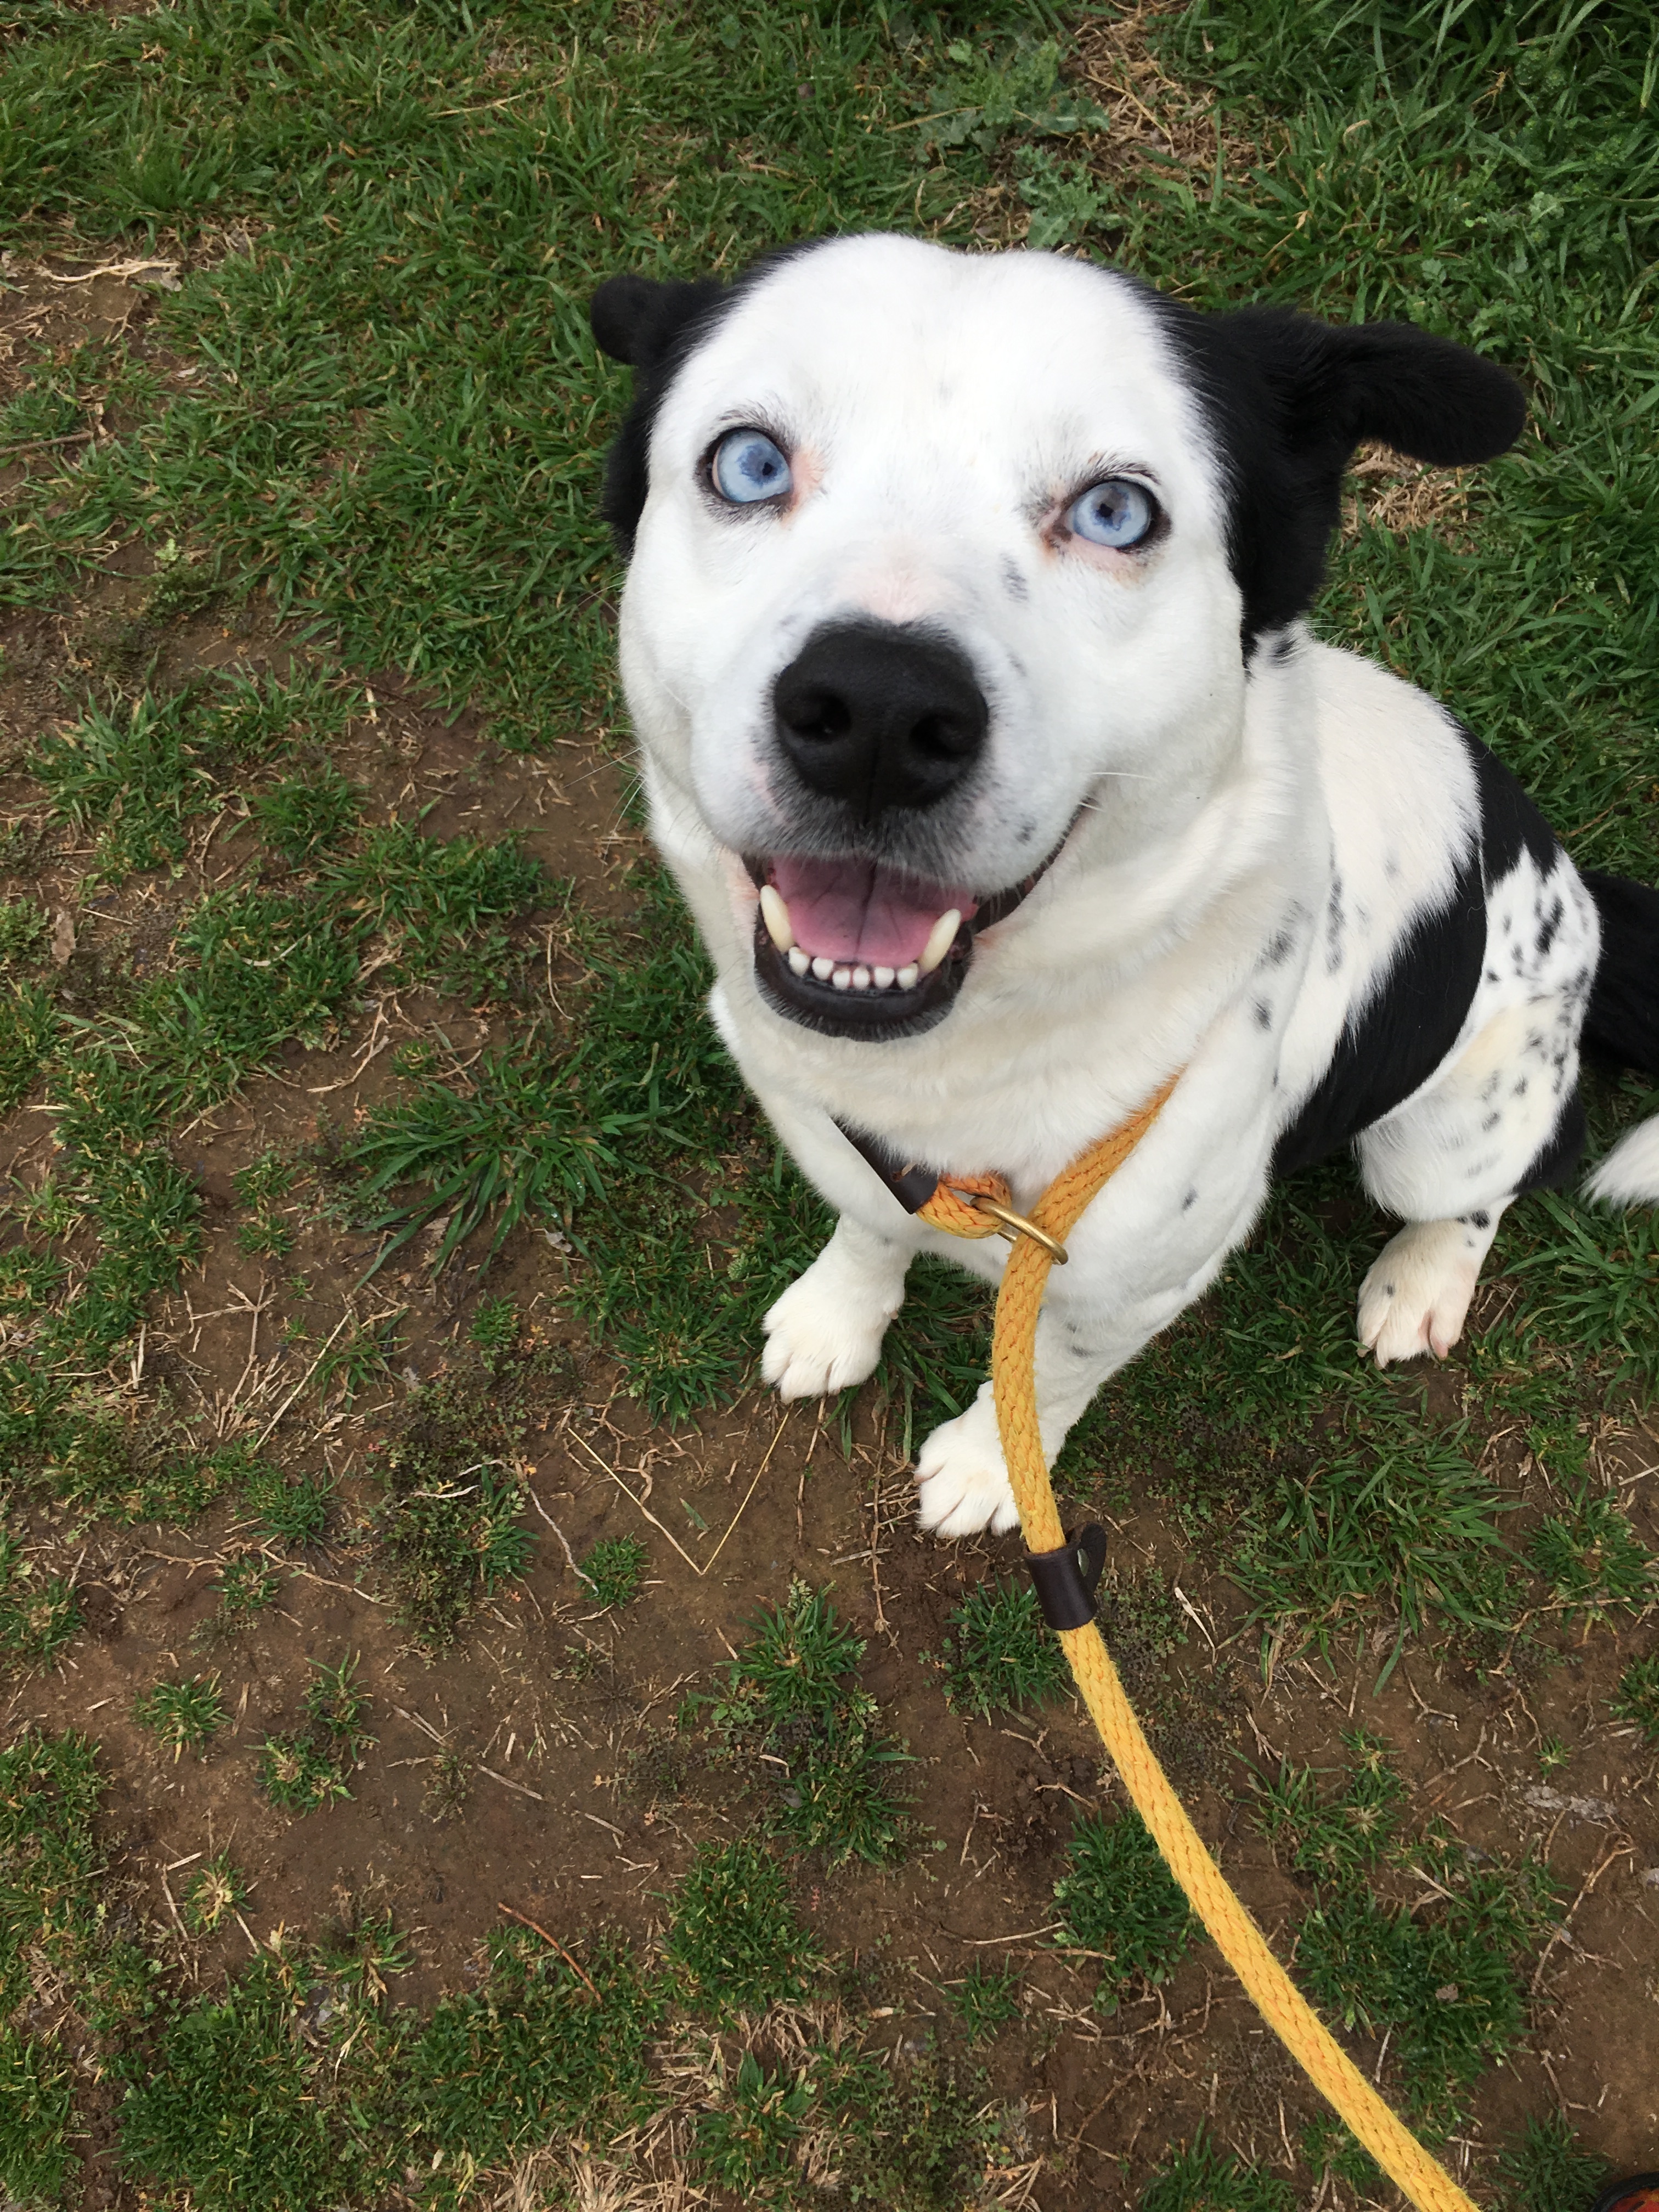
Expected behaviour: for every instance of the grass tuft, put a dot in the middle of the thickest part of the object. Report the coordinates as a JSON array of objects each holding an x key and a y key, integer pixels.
[
  {"x": 786, "y": 1704},
  {"x": 1119, "y": 1901},
  {"x": 984, "y": 2000},
  {"x": 613, "y": 1571},
  {"x": 1546, "y": 2169},
  {"x": 1637, "y": 1700},
  {"x": 1201, "y": 2177},
  {"x": 302, "y": 1772},
  {"x": 734, "y": 1937},
  {"x": 1000, "y": 1656},
  {"x": 184, "y": 1714}
]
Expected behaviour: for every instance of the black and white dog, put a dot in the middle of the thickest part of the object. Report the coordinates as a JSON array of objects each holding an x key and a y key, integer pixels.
[{"x": 963, "y": 637}]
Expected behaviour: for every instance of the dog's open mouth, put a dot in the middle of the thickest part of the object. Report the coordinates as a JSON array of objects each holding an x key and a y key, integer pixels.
[{"x": 856, "y": 949}]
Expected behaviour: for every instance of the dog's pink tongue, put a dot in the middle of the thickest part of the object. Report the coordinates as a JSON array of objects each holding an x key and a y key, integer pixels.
[{"x": 855, "y": 910}]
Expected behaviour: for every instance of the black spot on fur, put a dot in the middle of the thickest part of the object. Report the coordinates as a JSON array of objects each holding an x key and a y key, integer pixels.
[
  {"x": 1481, "y": 1220},
  {"x": 1510, "y": 823},
  {"x": 1190, "y": 1199},
  {"x": 1278, "y": 949},
  {"x": 1395, "y": 1041},
  {"x": 1013, "y": 582},
  {"x": 1264, "y": 1015}
]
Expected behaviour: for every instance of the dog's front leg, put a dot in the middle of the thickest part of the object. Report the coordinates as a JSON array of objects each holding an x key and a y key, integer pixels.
[
  {"x": 961, "y": 1479},
  {"x": 826, "y": 1329}
]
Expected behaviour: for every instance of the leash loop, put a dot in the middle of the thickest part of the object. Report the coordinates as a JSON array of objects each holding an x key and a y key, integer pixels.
[{"x": 1066, "y": 1578}]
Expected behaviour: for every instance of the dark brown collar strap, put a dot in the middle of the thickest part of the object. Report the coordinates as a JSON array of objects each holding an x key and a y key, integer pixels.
[{"x": 911, "y": 1184}]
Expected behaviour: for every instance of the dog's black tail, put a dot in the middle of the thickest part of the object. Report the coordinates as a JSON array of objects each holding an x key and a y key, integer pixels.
[{"x": 1622, "y": 1026}]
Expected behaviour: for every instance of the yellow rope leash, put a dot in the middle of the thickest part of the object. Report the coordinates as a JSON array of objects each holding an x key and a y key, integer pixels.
[{"x": 1235, "y": 1935}]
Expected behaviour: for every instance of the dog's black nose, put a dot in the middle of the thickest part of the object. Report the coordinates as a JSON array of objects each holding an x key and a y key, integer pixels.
[{"x": 880, "y": 716}]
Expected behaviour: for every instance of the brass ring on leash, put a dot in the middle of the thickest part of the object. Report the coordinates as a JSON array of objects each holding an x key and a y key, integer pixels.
[{"x": 1012, "y": 1224}]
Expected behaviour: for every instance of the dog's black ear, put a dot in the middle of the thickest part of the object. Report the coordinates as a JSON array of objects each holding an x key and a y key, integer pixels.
[
  {"x": 1290, "y": 398},
  {"x": 652, "y": 327},
  {"x": 637, "y": 319}
]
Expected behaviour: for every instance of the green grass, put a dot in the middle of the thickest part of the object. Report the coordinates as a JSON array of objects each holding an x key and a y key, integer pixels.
[
  {"x": 734, "y": 1936},
  {"x": 213, "y": 1893},
  {"x": 1546, "y": 2168},
  {"x": 1120, "y": 1903},
  {"x": 182, "y": 1714},
  {"x": 1637, "y": 1700},
  {"x": 986, "y": 1999},
  {"x": 39, "y": 1615},
  {"x": 301, "y": 1771},
  {"x": 296, "y": 1512},
  {"x": 1443, "y": 1976},
  {"x": 1201, "y": 2177},
  {"x": 747, "y": 2143},
  {"x": 247, "y": 1585},
  {"x": 613, "y": 1571},
  {"x": 788, "y": 1708},
  {"x": 1000, "y": 1656}
]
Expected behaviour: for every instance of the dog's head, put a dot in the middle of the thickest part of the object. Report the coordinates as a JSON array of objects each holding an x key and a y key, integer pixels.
[{"x": 932, "y": 554}]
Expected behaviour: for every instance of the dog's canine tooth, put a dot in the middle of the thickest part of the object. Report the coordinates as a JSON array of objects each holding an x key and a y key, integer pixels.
[
  {"x": 798, "y": 960},
  {"x": 823, "y": 969},
  {"x": 907, "y": 977},
  {"x": 840, "y": 977},
  {"x": 776, "y": 914},
  {"x": 940, "y": 937},
  {"x": 881, "y": 977}
]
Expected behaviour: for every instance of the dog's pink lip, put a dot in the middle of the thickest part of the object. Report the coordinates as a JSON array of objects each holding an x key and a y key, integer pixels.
[{"x": 860, "y": 911}]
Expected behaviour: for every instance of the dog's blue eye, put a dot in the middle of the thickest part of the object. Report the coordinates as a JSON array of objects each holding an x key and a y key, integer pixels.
[
  {"x": 1117, "y": 513},
  {"x": 748, "y": 467}
]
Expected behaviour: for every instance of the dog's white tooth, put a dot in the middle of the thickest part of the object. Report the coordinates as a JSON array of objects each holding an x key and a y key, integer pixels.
[
  {"x": 861, "y": 979},
  {"x": 906, "y": 978},
  {"x": 798, "y": 960},
  {"x": 776, "y": 914},
  {"x": 881, "y": 977},
  {"x": 823, "y": 969},
  {"x": 940, "y": 937},
  {"x": 841, "y": 978}
]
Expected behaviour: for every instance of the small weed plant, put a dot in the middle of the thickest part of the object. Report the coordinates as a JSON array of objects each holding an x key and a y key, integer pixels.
[
  {"x": 184, "y": 1714},
  {"x": 999, "y": 1656},
  {"x": 39, "y": 1614},
  {"x": 212, "y": 1894},
  {"x": 1201, "y": 2177},
  {"x": 301, "y": 1772},
  {"x": 747, "y": 2143},
  {"x": 1119, "y": 1901},
  {"x": 613, "y": 1571},
  {"x": 985, "y": 1999},
  {"x": 787, "y": 1704},
  {"x": 1546, "y": 2169},
  {"x": 294, "y": 1512},
  {"x": 1637, "y": 1699},
  {"x": 734, "y": 1936}
]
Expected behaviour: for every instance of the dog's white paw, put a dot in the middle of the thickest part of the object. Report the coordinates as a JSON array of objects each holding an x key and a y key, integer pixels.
[
  {"x": 1416, "y": 1294},
  {"x": 961, "y": 1483},
  {"x": 820, "y": 1336}
]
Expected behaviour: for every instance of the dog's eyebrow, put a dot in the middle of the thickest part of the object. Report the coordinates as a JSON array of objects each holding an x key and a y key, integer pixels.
[{"x": 1103, "y": 465}]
